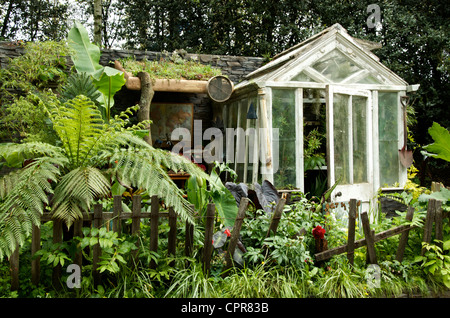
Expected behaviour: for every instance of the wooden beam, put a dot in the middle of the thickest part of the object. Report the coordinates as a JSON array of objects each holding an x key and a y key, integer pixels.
[{"x": 163, "y": 85}]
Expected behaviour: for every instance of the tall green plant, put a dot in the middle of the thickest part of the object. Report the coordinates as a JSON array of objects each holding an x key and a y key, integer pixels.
[
  {"x": 92, "y": 156},
  {"x": 200, "y": 196},
  {"x": 86, "y": 58}
]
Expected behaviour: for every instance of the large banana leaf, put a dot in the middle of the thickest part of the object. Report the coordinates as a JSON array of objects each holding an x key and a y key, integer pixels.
[
  {"x": 108, "y": 81},
  {"x": 86, "y": 56},
  {"x": 86, "y": 59}
]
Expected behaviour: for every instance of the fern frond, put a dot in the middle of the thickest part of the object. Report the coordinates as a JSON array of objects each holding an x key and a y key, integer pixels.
[
  {"x": 79, "y": 84},
  {"x": 79, "y": 125},
  {"x": 15, "y": 154},
  {"x": 137, "y": 169},
  {"x": 76, "y": 191},
  {"x": 23, "y": 201}
]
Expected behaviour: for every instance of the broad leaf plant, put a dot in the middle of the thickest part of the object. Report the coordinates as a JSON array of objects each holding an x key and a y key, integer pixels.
[{"x": 92, "y": 154}]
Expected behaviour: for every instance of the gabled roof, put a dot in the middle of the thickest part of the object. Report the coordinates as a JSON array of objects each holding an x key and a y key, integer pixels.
[{"x": 320, "y": 57}]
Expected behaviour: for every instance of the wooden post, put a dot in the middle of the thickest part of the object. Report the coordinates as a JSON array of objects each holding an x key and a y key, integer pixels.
[
  {"x": 154, "y": 220},
  {"x": 172, "y": 239},
  {"x": 209, "y": 229},
  {"x": 428, "y": 227},
  {"x": 96, "y": 252},
  {"x": 189, "y": 241},
  {"x": 145, "y": 102},
  {"x": 14, "y": 267},
  {"x": 351, "y": 231},
  {"x": 370, "y": 241},
  {"x": 57, "y": 238},
  {"x": 117, "y": 210},
  {"x": 77, "y": 231},
  {"x": 35, "y": 246},
  {"x": 404, "y": 237},
  {"x": 135, "y": 224},
  {"x": 276, "y": 217},
  {"x": 438, "y": 215},
  {"x": 235, "y": 232}
]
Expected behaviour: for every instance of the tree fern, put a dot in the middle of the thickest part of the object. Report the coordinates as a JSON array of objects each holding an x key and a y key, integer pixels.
[
  {"x": 23, "y": 200},
  {"x": 79, "y": 125},
  {"x": 72, "y": 172}
]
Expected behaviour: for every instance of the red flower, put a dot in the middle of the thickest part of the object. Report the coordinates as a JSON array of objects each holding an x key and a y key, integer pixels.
[
  {"x": 227, "y": 232},
  {"x": 318, "y": 232}
]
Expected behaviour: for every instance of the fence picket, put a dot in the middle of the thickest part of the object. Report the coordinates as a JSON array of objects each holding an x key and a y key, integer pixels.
[
  {"x": 209, "y": 230},
  {"x": 154, "y": 220},
  {"x": 96, "y": 252},
  {"x": 351, "y": 231},
  {"x": 35, "y": 246}
]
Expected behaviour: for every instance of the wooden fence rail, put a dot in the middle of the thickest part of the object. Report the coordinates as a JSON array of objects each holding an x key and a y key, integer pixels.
[
  {"x": 434, "y": 215},
  {"x": 100, "y": 218}
]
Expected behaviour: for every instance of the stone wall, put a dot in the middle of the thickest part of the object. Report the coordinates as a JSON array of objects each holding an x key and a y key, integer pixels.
[{"x": 235, "y": 67}]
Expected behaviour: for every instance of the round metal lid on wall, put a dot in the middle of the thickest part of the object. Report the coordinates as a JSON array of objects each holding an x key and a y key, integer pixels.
[{"x": 219, "y": 88}]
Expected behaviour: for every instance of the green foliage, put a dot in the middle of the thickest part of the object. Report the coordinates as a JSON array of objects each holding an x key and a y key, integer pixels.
[
  {"x": 76, "y": 168},
  {"x": 174, "y": 68},
  {"x": 24, "y": 96},
  {"x": 42, "y": 63},
  {"x": 436, "y": 261},
  {"x": 86, "y": 58},
  {"x": 224, "y": 201},
  {"x": 114, "y": 249},
  {"x": 441, "y": 146},
  {"x": 79, "y": 84}
]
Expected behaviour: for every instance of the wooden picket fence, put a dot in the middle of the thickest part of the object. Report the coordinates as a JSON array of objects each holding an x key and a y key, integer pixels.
[
  {"x": 100, "y": 218},
  {"x": 435, "y": 215}
]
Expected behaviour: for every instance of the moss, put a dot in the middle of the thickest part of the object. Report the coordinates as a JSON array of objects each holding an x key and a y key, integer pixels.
[{"x": 175, "y": 68}]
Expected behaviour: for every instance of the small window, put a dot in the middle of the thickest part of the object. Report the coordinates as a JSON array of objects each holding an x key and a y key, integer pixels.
[
  {"x": 336, "y": 66},
  {"x": 302, "y": 77}
]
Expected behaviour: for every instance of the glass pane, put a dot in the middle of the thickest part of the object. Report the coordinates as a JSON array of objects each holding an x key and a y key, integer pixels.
[
  {"x": 240, "y": 146},
  {"x": 341, "y": 134},
  {"x": 336, "y": 66},
  {"x": 302, "y": 77},
  {"x": 369, "y": 79},
  {"x": 251, "y": 143},
  {"x": 388, "y": 138},
  {"x": 283, "y": 118},
  {"x": 231, "y": 139},
  {"x": 359, "y": 124}
]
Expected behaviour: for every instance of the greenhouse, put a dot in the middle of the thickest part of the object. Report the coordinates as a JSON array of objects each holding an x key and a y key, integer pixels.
[{"x": 331, "y": 85}]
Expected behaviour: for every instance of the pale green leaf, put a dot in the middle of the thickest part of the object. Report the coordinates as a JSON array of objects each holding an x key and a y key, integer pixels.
[
  {"x": 86, "y": 55},
  {"x": 441, "y": 146}
]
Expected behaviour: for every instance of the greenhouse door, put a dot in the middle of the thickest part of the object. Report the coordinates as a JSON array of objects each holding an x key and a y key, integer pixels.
[{"x": 349, "y": 143}]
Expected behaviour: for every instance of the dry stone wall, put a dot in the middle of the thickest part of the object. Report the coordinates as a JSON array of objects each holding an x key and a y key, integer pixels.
[{"x": 235, "y": 67}]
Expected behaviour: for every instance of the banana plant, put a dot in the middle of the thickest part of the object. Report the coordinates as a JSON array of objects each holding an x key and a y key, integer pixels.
[{"x": 86, "y": 59}]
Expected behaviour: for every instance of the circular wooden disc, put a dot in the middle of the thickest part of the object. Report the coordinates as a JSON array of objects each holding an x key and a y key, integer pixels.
[{"x": 219, "y": 88}]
